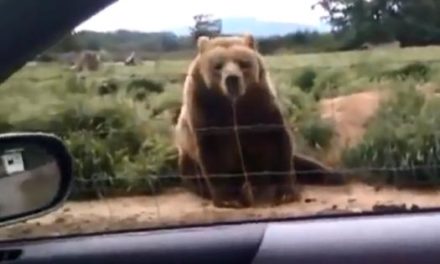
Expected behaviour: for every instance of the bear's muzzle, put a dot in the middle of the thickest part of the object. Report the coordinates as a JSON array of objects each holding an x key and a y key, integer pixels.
[{"x": 233, "y": 86}]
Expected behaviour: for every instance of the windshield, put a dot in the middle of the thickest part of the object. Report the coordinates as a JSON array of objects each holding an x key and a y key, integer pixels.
[{"x": 314, "y": 108}]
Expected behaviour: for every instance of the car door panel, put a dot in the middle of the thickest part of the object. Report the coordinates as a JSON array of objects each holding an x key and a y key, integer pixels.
[
  {"x": 413, "y": 238},
  {"x": 224, "y": 244}
]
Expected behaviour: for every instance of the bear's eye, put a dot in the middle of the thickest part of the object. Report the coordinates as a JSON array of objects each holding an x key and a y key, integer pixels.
[
  {"x": 218, "y": 66},
  {"x": 244, "y": 64}
]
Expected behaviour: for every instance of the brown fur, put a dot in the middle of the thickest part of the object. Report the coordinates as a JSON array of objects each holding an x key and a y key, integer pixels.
[
  {"x": 210, "y": 153},
  {"x": 87, "y": 59},
  {"x": 308, "y": 170}
]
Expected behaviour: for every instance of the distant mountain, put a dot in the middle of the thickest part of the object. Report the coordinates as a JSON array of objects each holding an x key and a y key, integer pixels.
[{"x": 256, "y": 27}]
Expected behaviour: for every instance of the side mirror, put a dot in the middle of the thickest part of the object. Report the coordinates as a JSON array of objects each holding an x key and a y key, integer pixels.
[{"x": 35, "y": 175}]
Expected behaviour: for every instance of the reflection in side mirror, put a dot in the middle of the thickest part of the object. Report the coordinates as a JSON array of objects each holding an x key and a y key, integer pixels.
[{"x": 35, "y": 175}]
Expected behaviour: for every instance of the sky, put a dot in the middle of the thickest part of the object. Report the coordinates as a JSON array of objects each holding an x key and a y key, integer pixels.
[{"x": 142, "y": 15}]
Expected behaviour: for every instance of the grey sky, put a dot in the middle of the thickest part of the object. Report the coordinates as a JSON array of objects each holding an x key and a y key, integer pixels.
[{"x": 142, "y": 15}]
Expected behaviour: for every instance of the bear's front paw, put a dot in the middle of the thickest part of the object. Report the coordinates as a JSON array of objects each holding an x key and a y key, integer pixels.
[
  {"x": 286, "y": 194},
  {"x": 247, "y": 194}
]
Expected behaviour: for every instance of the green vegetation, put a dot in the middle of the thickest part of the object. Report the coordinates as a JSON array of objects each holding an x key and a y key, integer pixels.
[
  {"x": 417, "y": 70},
  {"x": 357, "y": 22},
  {"x": 403, "y": 140},
  {"x": 306, "y": 80},
  {"x": 117, "y": 121}
]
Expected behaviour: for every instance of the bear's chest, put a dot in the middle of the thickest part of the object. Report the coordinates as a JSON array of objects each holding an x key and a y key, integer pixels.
[
  {"x": 256, "y": 121},
  {"x": 214, "y": 110}
]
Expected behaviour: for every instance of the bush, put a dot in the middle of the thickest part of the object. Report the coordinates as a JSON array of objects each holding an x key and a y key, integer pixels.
[
  {"x": 306, "y": 80},
  {"x": 328, "y": 83},
  {"x": 108, "y": 87},
  {"x": 115, "y": 149},
  {"x": 403, "y": 141},
  {"x": 416, "y": 71},
  {"x": 139, "y": 89},
  {"x": 112, "y": 151},
  {"x": 303, "y": 111},
  {"x": 317, "y": 133},
  {"x": 296, "y": 103},
  {"x": 169, "y": 100},
  {"x": 75, "y": 85},
  {"x": 105, "y": 171}
]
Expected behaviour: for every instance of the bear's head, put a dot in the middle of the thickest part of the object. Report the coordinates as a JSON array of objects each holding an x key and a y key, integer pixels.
[{"x": 229, "y": 64}]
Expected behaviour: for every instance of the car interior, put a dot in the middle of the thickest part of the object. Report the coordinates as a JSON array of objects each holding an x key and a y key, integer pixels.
[{"x": 371, "y": 237}]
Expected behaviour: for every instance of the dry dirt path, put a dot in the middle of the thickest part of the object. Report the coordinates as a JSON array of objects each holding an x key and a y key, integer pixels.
[{"x": 180, "y": 207}]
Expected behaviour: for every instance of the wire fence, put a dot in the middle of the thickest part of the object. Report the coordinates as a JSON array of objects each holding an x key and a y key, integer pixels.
[
  {"x": 347, "y": 171},
  {"x": 257, "y": 128}
]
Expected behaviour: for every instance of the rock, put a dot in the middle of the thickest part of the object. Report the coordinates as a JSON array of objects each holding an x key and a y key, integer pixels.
[
  {"x": 389, "y": 207},
  {"x": 60, "y": 220},
  {"x": 414, "y": 207},
  {"x": 333, "y": 211},
  {"x": 356, "y": 210},
  {"x": 26, "y": 231},
  {"x": 310, "y": 200}
]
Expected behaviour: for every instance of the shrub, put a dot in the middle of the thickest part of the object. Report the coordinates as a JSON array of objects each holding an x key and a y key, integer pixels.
[
  {"x": 108, "y": 87},
  {"x": 402, "y": 142},
  {"x": 369, "y": 70},
  {"x": 416, "y": 71},
  {"x": 296, "y": 102},
  {"x": 105, "y": 171},
  {"x": 305, "y": 80},
  {"x": 115, "y": 149},
  {"x": 168, "y": 100},
  {"x": 303, "y": 112},
  {"x": 75, "y": 84},
  {"x": 113, "y": 152},
  {"x": 328, "y": 83},
  {"x": 139, "y": 89},
  {"x": 317, "y": 133}
]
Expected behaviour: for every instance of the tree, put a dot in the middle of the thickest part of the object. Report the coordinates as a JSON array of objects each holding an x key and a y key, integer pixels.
[
  {"x": 169, "y": 42},
  {"x": 360, "y": 21},
  {"x": 92, "y": 44},
  {"x": 205, "y": 25}
]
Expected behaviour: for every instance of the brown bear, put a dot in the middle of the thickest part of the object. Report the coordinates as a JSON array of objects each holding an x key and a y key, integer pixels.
[
  {"x": 233, "y": 142},
  {"x": 227, "y": 87}
]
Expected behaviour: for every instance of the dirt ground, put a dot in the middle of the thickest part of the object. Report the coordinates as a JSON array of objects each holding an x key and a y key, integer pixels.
[
  {"x": 180, "y": 207},
  {"x": 349, "y": 113}
]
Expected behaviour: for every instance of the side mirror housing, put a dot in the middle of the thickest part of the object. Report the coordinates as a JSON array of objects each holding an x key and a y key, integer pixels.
[{"x": 35, "y": 175}]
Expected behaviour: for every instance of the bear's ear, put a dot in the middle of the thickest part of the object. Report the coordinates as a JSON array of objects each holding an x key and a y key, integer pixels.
[
  {"x": 250, "y": 41},
  {"x": 202, "y": 42}
]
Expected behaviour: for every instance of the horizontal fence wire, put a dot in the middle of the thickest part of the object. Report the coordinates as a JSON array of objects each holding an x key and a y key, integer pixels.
[
  {"x": 258, "y": 128},
  {"x": 345, "y": 65},
  {"x": 104, "y": 177}
]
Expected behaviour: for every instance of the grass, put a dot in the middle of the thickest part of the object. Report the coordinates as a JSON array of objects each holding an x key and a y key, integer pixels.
[
  {"x": 117, "y": 121},
  {"x": 404, "y": 136}
]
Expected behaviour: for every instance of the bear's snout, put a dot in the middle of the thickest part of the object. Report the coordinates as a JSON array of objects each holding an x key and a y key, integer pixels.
[{"x": 233, "y": 85}]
